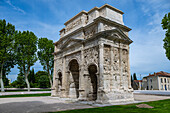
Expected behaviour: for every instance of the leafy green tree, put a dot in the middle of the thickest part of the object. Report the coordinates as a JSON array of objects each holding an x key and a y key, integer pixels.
[
  {"x": 134, "y": 76},
  {"x": 7, "y": 55},
  {"x": 26, "y": 47},
  {"x": 131, "y": 78},
  {"x": 43, "y": 82},
  {"x": 166, "y": 26},
  {"x": 31, "y": 78},
  {"x": 46, "y": 48},
  {"x": 19, "y": 83},
  {"x": 39, "y": 74},
  {"x": 131, "y": 81}
]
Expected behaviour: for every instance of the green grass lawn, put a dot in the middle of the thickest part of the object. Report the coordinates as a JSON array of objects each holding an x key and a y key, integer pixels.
[
  {"x": 26, "y": 95},
  {"x": 162, "y": 106}
]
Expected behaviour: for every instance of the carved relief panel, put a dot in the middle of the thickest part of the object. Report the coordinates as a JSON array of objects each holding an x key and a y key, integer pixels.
[
  {"x": 107, "y": 27},
  {"x": 116, "y": 59},
  {"x": 90, "y": 31},
  {"x": 91, "y": 55},
  {"x": 59, "y": 64},
  {"x": 124, "y": 61},
  {"x": 74, "y": 24},
  {"x": 107, "y": 59}
]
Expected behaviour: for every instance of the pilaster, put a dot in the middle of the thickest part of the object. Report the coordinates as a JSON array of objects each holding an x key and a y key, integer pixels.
[
  {"x": 81, "y": 78},
  {"x": 55, "y": 81},
  {"x": 120, "y": 65},
  {"x": 100, "y": 81},
  {"x": 129, "y": 76},
  {"x": 64, "y": 80},
  {"x": 112, "y": 71}
]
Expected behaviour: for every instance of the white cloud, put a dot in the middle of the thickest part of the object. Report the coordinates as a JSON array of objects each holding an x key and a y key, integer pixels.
[
  {"x": 14, "y": 7},
  {"x": 147, "y": 54}
]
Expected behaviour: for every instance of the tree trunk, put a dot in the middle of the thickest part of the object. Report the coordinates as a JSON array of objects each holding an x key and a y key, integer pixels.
[
  {"x": 1, "y": 80},
  {"x": 49, "y": 76},
  {"x": 26, "y": 72},
  {"x": 27, "y": 82}
]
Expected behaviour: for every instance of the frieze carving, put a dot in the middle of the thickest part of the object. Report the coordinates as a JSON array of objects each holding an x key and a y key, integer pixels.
[
  {"x": 73, "y": 25},
  {"x": 124, "y": 60},
  {"x": 91, "y": 55},
  {"x": 115, "y": 35},
  {"x": 90, "y": 32},
  {"x": 116, "y": 59},
  {"x": 92, "y": 15},
  {"x": 102, "y": 12},
  {"x": 107, "y": 27}
]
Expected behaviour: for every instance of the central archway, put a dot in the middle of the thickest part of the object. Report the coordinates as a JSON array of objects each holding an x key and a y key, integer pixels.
[
  {"x": 74, "y": 79},
  {"x": 92, "y": 75}
]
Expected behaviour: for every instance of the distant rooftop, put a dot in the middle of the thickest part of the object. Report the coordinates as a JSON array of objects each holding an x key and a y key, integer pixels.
[{"x": 161, "y": 73}]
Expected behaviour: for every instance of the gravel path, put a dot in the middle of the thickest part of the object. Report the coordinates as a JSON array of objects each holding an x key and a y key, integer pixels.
[
  {"x": 152, "y": 92},
  {"x": 23, "y": 92}
]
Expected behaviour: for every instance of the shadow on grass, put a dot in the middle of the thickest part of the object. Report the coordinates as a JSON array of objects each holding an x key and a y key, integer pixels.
[{"x": 162, "y": 106}]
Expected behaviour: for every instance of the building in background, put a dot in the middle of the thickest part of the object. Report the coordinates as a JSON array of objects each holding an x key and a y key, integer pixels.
[{"x": 156, "y": 81}]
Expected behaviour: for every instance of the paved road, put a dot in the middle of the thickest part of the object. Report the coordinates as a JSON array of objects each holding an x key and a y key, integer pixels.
[
  {"x": 23, "y": 92},
  {"x": 51, "y": 104},
  {"x": 152, "y": 92},
  {"x": 37, "y": 104}
]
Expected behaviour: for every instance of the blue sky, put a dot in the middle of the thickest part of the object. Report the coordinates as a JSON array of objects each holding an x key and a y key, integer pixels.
[{"x": 47, "y": 17}]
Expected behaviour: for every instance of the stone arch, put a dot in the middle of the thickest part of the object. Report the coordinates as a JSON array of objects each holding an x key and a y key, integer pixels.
[
  {"x": 93, "y": 70},
  {"x": 73, "y": 68},
  {"x": 59, "y": 80},
  {"x": 97, "y": 68},
  {"x": 71, "y": 59}
]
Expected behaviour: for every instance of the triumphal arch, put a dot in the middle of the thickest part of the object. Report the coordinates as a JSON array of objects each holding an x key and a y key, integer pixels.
[{"x": 91, "y": 58}]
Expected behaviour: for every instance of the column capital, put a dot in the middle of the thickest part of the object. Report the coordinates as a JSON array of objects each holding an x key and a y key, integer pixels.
[{"x": 101, "y": 45}]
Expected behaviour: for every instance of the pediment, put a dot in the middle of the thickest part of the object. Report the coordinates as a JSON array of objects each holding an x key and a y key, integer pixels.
[
  {"x": 70, "y": 42},
  {"x": 116, "y": 34}
]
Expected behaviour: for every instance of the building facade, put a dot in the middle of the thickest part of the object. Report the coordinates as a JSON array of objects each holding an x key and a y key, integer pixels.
[
  {"x": 92, "y": 57},
  {"x": 157, "y": 81}
]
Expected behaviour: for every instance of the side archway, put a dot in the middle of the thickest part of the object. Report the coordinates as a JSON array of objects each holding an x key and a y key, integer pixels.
[
  {"x": 92, "y": 69},
  {"x": 59, "y": 81}
]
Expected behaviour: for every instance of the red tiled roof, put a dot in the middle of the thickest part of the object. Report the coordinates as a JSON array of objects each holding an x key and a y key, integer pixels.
[
  {"x": 161, "y": 73},
  {"x": 137, "y": 80}
]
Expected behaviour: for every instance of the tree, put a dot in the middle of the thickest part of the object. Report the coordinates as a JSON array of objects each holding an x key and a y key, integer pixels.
[
  {"x": 43, "y": 82},
  {"x": 45, "y": 56},
  {"x": 7, "y": 55},
  {"x": 19, "y": 83},
  {"x": 131, "y": 79},
  {"x": 26, "y": 47},
  {"x": 31, "y": 78},
  {"x": 166, "y": 26},
  {"x": 134, "y": 76}
]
